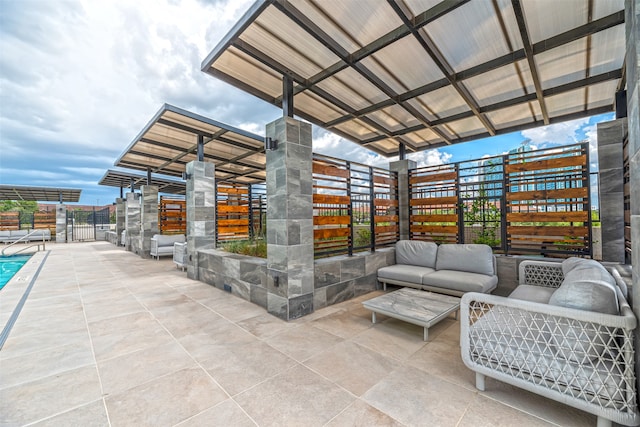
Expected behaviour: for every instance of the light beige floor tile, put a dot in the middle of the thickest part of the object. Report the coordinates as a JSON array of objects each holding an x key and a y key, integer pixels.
[
  {"x": 433, "y": 402},
  {"x": 239, "y": 367},
  {"x": 442, "y": 358},
  {"x": 359, "y": 414},
  {"x": 297, "y": 397},
  {"x": 352, "y": 366},
  {"x": 303, "y": 341},
  {"x": 93, "y": 414},
  {"x": 236, "y": 309},
  {"x": 343, "y": 323},
  {"x": 542, "y": 407},
  {"x": 227, "y": 413},
  {"x": 112, "y": 307},
  {"x": 166, "y": 400},
  {"x": 132, "y": 369},
  {"x": 33, "y": 366},
  {"x": 265, "y": 325},
  {"x": 17, "y": 345},
  {"x": 485, "y": 412},
  {"x": 33, "y": 401},
  {"x": 207, "y": 340},
  {"x": 392, "y": 338}
]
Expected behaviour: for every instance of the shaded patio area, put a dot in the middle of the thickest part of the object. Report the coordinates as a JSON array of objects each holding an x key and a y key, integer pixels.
[{"x": 109, "y": 338}]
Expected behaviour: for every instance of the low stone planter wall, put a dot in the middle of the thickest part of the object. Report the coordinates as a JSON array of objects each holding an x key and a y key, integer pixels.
[{"x": 336, "y": 279}]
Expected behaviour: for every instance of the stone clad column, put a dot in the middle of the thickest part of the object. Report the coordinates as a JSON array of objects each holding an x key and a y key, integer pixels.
[
  {"x": 132, "y": 225},
  {"x": 290, "y": 263},
  {"x": 120, "y": 218},
  {"x": 403, "y": 167},
  {"x": 201, "y": 212},
  {"x": 610, "y": 137},
  {"x": 148, "y": 218},
  {"x": 61, "y": 223}
]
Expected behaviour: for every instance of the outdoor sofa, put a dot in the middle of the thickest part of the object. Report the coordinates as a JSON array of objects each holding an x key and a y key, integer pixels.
[
  {"x": 162, "y": 245},
  {"x": 566, "y": 333},
  {"x": 10, "y": 236},
  {"x": 452, "y": 269}
]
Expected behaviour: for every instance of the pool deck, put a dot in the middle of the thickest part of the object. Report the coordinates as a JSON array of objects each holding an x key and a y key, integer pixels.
[{"x": 109, "y": 339}]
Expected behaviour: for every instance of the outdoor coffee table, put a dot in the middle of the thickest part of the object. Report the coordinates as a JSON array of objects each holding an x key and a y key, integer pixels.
[{"x": 420, "y": 308}]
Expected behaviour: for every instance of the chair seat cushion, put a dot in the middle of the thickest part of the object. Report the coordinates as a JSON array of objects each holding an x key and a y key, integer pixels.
[{"x": 533, "y": 293}]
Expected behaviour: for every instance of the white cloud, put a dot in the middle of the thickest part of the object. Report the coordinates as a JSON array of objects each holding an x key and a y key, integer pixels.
[
  {"x": 556, "y": 134},
  {"x": 430, "y": 157}
]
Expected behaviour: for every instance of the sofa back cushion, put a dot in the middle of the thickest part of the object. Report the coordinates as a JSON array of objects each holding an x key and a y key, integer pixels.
[
  {"x": 586, "y": 286},
  {"x": 472, "y": 258},
  {"x": 414, "y": 252}
]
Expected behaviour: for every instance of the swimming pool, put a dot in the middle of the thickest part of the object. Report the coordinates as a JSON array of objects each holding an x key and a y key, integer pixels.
[{"x": 9, "y": 266}]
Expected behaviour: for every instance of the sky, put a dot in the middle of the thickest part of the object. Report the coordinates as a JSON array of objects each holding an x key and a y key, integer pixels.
[{"x": 80, "y": 79}]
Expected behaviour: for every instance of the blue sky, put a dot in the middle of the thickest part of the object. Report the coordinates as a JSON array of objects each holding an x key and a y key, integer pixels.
[{"x": 79, "y": 79}]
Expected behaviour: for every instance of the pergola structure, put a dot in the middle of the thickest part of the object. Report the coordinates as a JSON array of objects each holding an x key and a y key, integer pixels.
[
  {"x": 396, "y": 75},
  {"x": 174, "y": 137},
  {"x": 39, "y": 194},
  {"x": 133, "y": 181}
]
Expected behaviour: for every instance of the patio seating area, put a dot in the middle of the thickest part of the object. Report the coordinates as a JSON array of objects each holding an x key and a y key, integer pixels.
[{"x": 109, "y": 338}]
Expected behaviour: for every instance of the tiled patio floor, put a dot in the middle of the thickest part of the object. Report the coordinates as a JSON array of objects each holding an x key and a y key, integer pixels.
[{"x": 107, "y": 338}]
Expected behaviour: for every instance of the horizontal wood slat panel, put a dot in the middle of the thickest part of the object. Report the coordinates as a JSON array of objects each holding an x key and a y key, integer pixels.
[
  {"x": 385, "y": 218},
  {"x": 328, "y": 199},
  {"x": 326, "y": 233},
  {"x": 386, "y": 229},
  {"x": 580, "y": 216},
  {"x": 430, "y": 201},
  {"x": 560, "y": 162},
  {"x": 329, "y": 170},
  {"x": 436, "y": 177},
  {"x": 569, "y": 193},
  {"x": 233, "y": 209},
  {"x": 377, "y": 179},
  {"x": 434, "y": 218},
  {"x": 547, "y": 231},
  {"x": 226, "y": 230},
  {"x": 385, "y": 202},
  {"x": 331, "y": 220},
  {"x": 452, "y": 229},
  {"x": 232, "y": 222}
]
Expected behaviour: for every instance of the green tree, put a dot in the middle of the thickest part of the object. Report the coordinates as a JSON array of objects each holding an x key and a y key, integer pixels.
[
  {"x": 18, "y": 205},
  {"x": 484, "y": 212}
]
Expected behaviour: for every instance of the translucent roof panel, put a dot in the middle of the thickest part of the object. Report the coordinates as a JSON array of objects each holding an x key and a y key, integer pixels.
[
  {"x": 379, "y": 73},
  {"x": 169, "y": 141},
  {"x": 547, "y": 18},
  {"x": 124, "y": 179}
]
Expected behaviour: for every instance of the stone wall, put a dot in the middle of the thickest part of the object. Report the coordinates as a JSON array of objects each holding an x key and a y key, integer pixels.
[{"x": 336, "y": 279}]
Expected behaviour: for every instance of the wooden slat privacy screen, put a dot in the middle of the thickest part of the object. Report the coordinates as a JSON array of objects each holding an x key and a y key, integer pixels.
[
  {"x": 433, "y": 204},
  {"x": 172, "y": 216},
  {"x": 355, "y": 207},
  {"x": 523, "y": 202},
  {"x": 548, "y": 201},
  {"x": 10, "y": 220},
  {"x": 233, "y": 215}
]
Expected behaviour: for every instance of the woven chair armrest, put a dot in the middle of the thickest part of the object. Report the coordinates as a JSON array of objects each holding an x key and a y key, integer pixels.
[
  {"x": 540, "y": 273},
  {"x": 626, "y": 320}
]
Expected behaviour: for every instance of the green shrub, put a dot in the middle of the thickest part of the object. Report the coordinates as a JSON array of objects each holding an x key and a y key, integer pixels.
[{"x": 257, "y": 248}]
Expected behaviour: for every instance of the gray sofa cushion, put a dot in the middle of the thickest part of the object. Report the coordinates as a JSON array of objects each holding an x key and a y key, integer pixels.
[
  {"x": 585, "y": 287},
  {"x": 404, "y": 273},
  {"x": 462, "y": 281},
  {"x": 573, "y": 263},
  {"x": 168, "y": 240},
  {"x": 469, "y": 257},
  {"x": 415, "y": 252},
  {"x": 532, "y": 293}
]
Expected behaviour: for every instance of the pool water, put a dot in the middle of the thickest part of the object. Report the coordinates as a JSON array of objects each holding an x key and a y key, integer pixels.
[{"x": 9, "y": 266}]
